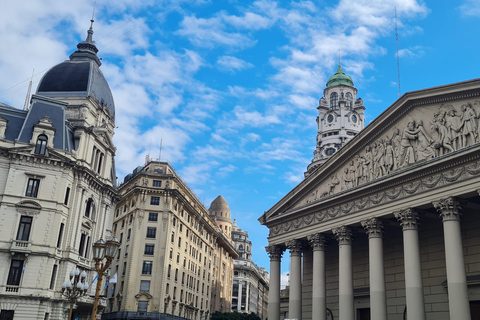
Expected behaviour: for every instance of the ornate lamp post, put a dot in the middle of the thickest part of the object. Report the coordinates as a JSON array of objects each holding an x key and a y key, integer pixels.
[
  {"x": 74, "y": 288},
  {"x": 101, "y": 250}
]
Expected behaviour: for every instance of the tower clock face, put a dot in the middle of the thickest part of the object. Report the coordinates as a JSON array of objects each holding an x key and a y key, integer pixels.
[
  {"x": 330, "y": 118},
  {"x": 354, "y": 119}
]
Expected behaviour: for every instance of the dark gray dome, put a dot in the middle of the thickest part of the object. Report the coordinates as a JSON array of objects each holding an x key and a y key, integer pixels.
[{"x": 79, "y": 77}]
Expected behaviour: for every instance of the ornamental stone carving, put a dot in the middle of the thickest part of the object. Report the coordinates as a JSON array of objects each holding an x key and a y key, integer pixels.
[
  {"x": 449, "y": 208},
  {"x": 408, "y": 219},
  {"x": 275, "y": 252},
  {"x": 344, "y": 235},
  {"x": 373, "y": 227},
  {"x": 294, "y": 246},
  {"x": 317, "y": 241}
]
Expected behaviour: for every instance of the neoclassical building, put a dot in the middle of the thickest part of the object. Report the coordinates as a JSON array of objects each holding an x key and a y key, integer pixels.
[
  {"x": 57, "y": 187},
  {"x": 174, "y": 261},
  {"x": 250, "y": 282},
  {"x": 388, "y": 226}
]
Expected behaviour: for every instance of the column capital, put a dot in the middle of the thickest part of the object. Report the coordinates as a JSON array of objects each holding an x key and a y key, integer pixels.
[
  {"x": 275, "y": 252},
  {"x": 449, "y": 208},
  {"x": 317, "y": 241},
  {"x": 408, "y": 219},
  {"x": 373, "y": 227},
  {"x": 343, "y": 234},
  {"x": 294, "y": 246}
]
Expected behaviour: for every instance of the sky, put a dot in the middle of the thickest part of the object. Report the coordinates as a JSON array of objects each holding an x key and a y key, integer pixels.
[{"x": 230, "y": 88}]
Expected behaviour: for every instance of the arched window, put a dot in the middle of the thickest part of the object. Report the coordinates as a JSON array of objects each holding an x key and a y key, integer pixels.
[
  {"x": 349, "y": 99},
  {"x": 240, "y": 248},
  {"x": 41, "y": 145},
  {"x": 334, "y": 101}
]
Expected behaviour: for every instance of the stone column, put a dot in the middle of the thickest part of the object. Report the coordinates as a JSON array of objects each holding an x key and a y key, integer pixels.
[
  {"x": 344, "y": 237},
  {"x": 275, "y": 253},
  {"x": 295, "y": 300},
  {"x": 378, "y": 302},
  {"x": 319, "y": 294},
  {"x": 458, "y": 303},
  {"x": 413, "y": 269}
]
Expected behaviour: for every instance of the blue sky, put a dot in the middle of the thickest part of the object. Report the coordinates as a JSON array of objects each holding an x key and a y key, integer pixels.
[{"x": 231, "y": 87}]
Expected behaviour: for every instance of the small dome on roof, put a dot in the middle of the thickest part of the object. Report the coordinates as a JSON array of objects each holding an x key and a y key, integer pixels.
[
  {"x": 339, "y": 78},
  {"x": 219, "y": 209}
]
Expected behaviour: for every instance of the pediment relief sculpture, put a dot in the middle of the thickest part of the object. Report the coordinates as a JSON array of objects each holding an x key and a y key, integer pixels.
[{"x": 422, "y": 134}]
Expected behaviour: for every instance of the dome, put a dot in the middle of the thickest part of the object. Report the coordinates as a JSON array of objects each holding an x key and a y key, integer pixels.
[
  {"x": 339, "y": 78},
  {"x": 79, "y": 77},
  {"x": 219, "y": 209}
]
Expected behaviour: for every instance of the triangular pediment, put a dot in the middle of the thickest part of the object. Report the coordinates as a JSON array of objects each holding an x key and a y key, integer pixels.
[{"x": 420, "y": 126}]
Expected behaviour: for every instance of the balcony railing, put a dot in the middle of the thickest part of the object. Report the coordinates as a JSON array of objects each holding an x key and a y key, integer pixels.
[{"x": 21, "y": 246}]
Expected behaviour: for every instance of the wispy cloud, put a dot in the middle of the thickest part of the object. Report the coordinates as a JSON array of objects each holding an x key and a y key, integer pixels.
[{"x": 232, "y": 64}]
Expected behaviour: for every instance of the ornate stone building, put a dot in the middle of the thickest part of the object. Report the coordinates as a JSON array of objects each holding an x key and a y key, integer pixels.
[
  {"x": 172, "y": 255},
  {"x": 57, "y": 179},
  {"x": 398, "y": 236},
  {"x": 250, "y": 282}
]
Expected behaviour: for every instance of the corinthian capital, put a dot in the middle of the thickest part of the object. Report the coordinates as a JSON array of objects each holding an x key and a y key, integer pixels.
[
  {"x": 449, "y": 208},
  {"x": 408, "y": 219},
  {"x": 294, "y": 246},
  {"x": 373, "y": 227},
  {"x": 343, "y": 234},
  {"x": 317, "y": 241},
  {"x": 275, "y": 252}
]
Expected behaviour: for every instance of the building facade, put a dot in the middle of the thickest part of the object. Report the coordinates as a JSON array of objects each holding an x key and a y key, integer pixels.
[
  {"x": 57, "y": 187},
  {"x": 172, "y": 253},
  {"x": 398, "y": 237},
  {"x": 250, "y": 282}
]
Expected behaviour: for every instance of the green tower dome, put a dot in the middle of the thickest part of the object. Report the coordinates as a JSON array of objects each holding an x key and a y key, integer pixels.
[{"x": 339, "y": 78}]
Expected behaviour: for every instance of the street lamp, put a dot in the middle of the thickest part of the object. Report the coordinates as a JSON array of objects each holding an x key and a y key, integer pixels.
[
  {"x": 101, "y": 250},
  {"x": 74, "y": 288}
]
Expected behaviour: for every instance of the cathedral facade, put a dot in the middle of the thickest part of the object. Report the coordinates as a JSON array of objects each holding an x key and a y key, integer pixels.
[
  {"x": 387, "y": 226},
  {"x": 57, "y": 188}
]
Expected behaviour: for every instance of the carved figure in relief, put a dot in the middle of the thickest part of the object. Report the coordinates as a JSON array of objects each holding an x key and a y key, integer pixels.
[
  {"x": 407, "y": 146},
  {"x": 333, "y": 183},
  {"x": 443, "y": 141},
  {"x": 378, "y": 158},
  {"x": 454, "y": 124},
  {"x": 396, "y": 144},
  {"x": 469, "y": 125},
  {"x": 368, "y": 164},
  {"x": 347, "y": 179},
  {"x": 425, "y": 142},
  {"x": 353, "y": 172},
  {"x": 389, "y": 157}
]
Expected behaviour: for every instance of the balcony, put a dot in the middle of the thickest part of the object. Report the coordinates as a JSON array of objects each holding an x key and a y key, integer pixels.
[{"x": 21, "y": 247}]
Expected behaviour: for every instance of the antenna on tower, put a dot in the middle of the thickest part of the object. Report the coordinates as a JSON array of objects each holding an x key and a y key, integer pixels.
[
  {"x": 93, "y": 14},
  {"x": 27, "y": 99},
  {"x": 398, "y": 57},
  {"x": 160, "y": 153}
]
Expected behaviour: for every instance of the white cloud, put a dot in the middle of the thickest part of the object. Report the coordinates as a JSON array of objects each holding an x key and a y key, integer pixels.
[
  {"x": 470, "y": 8},
  {"x": 414, "y": 52},
  {"x": 232, "y": 64},
  {"x": 253, "y": 118}
]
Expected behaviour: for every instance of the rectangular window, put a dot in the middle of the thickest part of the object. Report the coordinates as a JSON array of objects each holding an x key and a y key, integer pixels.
[
  {"x": 151, "y": 232},
  {"x": 67, "y": 194},
  {"x": 32, "y": 187},
  {"x": 24, "y": 228},
  {"x": 131, "y": 218},
  {"x": 124, "y": 270},
  {"x": 60, "y": 235},
  {"x": 87, "y": 247},
  {"x": 149, "y": 248},
  {"x": 147, "y": 267},
  {"x": 54, "y": 275},
  {"x": 6, "y": 314},
  {"x": 155, "y": 201},
  {"x": 152, "y": 216},
  {"x": 157, "y": 183},
  {"x": 15, "y": 273},
  {"x": 81, "y": 248},
  {"x": 126, "y": 250},
  {"x": 142, "y": 306},
  {"x": 145, "y": 285},
  {"x": 129, "y": 233}
]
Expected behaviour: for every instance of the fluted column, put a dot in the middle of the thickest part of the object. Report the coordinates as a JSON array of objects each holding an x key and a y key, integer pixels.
[
  {"x": 319, "y": 294},
  {"x": 295, "y": 300},
  {"x": 275, "y": 253},
  {"x": 378, "y": 302},
  {"x": 344, "y": 237},
  {"x": 458, "y": 303},
  {"x": 413, "y": 269}
]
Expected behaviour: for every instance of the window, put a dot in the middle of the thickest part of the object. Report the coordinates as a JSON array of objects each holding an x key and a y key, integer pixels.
[
  {"x": 349, "y": 98},
  {"x": 15, "y": 273},
  {"x": 41, "y": 145},
  {"x": 171, "y": 253},
  {"x": 32, "y": 187},
  {"x": 89, "y": 208},
  {"x": 151, "y": 232},
  {"x": 334, "y": 101},
  {"x": 172, "y": 238},
  {"x": 145, "y": 285},
  {"x": 169, "y": 270},
  {"x": 126, "y": 250},
  {"x": 24, "y": 228},
  {"x": 6, "y": 314},
  {"x": 157, "y": 183},
  {"x": 124, "y": 270},
  {"x": 147, "y": 267},
  {"x": 67, "y": 194},
  {"x": 131, "y": 218},
  {"x": 81, "y": 247},
  {"x": 179, "y": 242},
  {"x": 329, "y": 151},
  {"x": 142, "y": 306},
  {"x": 149, "y": 248},
  {"x": 153, "y": 216},
  {"x": 129, "y": 233},
  {"x": 60, "y": 235},
  {"x": 119, "y": 253},
  {"x": 54, "y": 275},
  {"x": 155, "y": 201}
]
